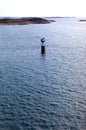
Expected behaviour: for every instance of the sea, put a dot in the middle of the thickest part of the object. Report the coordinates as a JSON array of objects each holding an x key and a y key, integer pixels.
[{"x": 43, "y": 91}]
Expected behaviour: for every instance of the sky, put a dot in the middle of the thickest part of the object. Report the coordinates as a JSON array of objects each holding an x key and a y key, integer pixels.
[{"x": 42, "y": 8}]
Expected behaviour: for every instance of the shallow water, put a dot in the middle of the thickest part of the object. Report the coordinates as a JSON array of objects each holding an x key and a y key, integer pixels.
[{"x": 43, "y": 92}]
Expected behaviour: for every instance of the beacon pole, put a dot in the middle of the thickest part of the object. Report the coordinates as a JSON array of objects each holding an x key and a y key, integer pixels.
[{"x": 42, "y": 45}]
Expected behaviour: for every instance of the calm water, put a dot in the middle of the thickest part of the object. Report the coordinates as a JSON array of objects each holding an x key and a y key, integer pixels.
[{"x": 43, "y": 92}]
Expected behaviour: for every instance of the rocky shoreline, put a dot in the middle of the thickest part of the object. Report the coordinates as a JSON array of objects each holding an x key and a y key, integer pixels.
[{"x": 24, "y": 20}]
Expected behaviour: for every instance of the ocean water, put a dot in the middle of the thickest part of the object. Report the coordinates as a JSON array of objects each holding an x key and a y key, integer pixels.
[{"x": 43, "y": 92}]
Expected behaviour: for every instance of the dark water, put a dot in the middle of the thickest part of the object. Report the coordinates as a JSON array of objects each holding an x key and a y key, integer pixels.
[{"x": 43, "y": 92}]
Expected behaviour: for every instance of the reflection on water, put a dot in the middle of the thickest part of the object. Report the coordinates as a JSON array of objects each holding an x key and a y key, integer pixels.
[{"x": 43, "y": 91}]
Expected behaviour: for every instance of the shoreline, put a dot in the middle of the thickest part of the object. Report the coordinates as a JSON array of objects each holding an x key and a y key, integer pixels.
[{"x": 24, "y": 21}]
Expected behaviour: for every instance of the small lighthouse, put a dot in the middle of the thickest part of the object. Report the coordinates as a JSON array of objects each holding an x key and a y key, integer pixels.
[{"x": 42, "y": 45}]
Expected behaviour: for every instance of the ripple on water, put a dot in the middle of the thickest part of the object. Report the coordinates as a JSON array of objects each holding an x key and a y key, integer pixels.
[{"x": 43, "y": 92}]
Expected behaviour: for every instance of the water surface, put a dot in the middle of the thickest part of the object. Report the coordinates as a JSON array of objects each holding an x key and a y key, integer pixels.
[{"x": 43, "y": 92}]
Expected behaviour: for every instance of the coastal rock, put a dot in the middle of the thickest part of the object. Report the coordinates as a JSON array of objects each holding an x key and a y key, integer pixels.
[
  {"x": 82, "y": 20},
  {"x": 24, "y": 20}
]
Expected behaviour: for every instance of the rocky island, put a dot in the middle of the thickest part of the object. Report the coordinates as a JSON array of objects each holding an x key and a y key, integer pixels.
[
  {"x": 24, "y": 20},
  {"x": 82, "y": 20}
]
